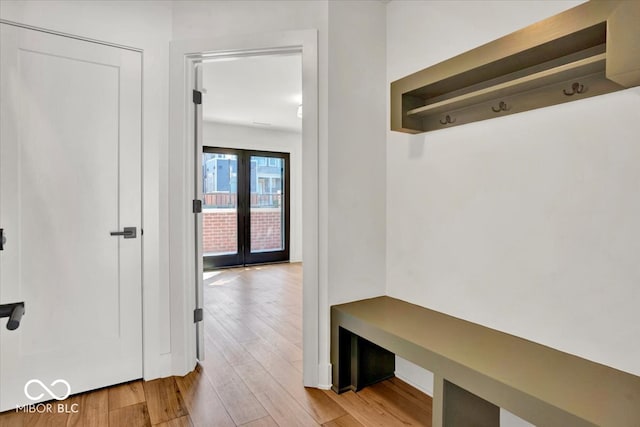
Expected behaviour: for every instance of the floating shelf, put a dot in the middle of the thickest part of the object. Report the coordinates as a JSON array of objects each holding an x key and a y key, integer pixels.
[{"x": 586, "y": 51}]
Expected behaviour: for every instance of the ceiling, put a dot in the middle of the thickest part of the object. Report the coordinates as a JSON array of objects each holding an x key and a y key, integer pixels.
[{"x": 258, "y": 91}]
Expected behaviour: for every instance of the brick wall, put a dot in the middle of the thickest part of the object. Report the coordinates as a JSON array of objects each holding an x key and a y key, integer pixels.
[
  {"x": 266, "y": 229},
  {"x": 220, "y": 225},
  {"x": 219, "y": 231}
]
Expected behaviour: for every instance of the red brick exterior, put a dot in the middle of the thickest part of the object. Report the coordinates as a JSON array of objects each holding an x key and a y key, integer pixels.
[
  {"x": 266, "y": 229},
  {"x": 219, "y": 231},
  {"x": 220, "y": 225}
]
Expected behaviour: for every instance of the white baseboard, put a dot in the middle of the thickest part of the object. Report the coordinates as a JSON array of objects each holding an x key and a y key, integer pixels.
[{"x": 324, "y": 376}]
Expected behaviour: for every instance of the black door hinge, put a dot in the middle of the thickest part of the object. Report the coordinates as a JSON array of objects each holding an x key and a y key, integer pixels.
[
  {"x": 198, "y": 315},
  {"x": 3, "y": 239},
  {"x": 197, "y": 97},
  {"x": 197, "y": 206}
]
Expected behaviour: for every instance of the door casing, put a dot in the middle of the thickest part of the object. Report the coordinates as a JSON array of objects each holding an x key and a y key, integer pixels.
[{"x": 185, "y": 55}]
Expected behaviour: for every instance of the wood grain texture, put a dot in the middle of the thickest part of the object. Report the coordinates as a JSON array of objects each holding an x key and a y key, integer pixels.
[
  {"x": 92, "y": 409},
  {"x": 11, "y": 419},
  {"x": 344, "y": 421},
  {"x": 164, "y": 400},
  {"x": 130, "y": 416},
  {"x": 262, "y": 422},
  {"x": 251, "y": 375},
  {"x": 126, "y": 394},
  {"x": 178, "y": 422},
  {"x": 203, "y": 403}
]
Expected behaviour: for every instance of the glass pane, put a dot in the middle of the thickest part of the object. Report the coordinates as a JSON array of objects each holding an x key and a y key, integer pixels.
[
  {"x": 220, "y": 210},
  {"x": 267, "y": 204}
]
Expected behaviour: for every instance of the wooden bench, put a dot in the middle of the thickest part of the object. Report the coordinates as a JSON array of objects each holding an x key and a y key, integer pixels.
[{"x": 477, "y": 370}]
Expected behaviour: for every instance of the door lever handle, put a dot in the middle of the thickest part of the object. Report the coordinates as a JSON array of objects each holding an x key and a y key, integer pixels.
[
  {"x": 128, "y": 233},
  {"x": 14, "y": 312}
]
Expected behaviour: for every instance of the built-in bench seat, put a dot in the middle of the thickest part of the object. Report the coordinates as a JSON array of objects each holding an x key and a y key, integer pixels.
[{"x": 477, "y": 370}]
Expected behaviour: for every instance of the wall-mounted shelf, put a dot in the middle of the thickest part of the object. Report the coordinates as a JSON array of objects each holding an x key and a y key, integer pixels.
[{"x": 586, "y": 51}]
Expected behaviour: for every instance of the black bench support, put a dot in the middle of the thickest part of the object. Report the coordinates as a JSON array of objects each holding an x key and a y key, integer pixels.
[{"x": 362, "y": 362}]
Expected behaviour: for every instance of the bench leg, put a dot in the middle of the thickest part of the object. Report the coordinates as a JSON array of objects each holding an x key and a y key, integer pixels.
[
  {"x": 438, "y": 400},
  {"x": 460, "y": 408},
  {"x": 358, "y": 362}
]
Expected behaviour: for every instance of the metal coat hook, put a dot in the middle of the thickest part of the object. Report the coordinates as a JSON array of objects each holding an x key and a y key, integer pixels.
[
  {"x": 575, "y": 88},
  {"x": 447, "y": 120},
  {"x": 501, "y": 107}
]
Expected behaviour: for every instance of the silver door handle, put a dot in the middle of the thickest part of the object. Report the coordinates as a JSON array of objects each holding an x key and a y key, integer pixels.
[{"x": 128, "y": 233}]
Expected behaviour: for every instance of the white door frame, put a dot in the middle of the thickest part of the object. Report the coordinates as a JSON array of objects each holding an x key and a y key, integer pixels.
[{"x": 184, "y": 55}]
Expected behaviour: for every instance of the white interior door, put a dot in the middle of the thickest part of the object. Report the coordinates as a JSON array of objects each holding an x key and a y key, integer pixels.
[
  {"x": 197, "y": 160},
  {"x": 70, "y": 174}
]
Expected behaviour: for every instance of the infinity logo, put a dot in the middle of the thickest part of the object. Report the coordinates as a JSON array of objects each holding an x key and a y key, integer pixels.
[{"x": 51, "y": 393}]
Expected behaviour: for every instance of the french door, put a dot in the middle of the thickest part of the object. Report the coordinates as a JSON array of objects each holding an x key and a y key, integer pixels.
[{"x": 245, "y": 208}]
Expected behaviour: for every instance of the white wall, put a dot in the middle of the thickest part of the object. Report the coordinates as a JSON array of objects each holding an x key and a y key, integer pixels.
[
  {"x": 528, "y": 223},
  {"x": 356, "y": 158},
  {"x": 254, "y": 138},
  {"x": 144, "y": 25}
]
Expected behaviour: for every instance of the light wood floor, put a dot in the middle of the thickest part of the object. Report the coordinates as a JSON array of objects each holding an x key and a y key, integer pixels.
[{"x": 251, "y": 375}]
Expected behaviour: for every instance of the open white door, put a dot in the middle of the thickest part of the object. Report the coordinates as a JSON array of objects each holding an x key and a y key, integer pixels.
[
  {"x": 197, "y": 195},
  {"x": 70, "y": 175}
]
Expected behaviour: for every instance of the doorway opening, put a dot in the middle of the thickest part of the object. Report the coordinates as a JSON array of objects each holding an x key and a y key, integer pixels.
[
  {"x": 250, "y": 171},
  {"x": 246, "y": 213},
  {"x": 187, "y": 58}
]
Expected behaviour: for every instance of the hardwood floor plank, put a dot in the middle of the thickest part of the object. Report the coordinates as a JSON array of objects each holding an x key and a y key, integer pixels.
[
  {"x": 126, "y": 394},
  {"x": 408, "y": 392},
  {"x": 203, "y": 403},
  {"x": 366, "y": 412},
  {"x": 179, "y": 422},
  {"x": 243, "y": 406},
  {"x": 233, "y": 352},
  {"x": 11, "y": 419},
  {"x": 314, "y": 401},
  {"x": 92, "y": 409},
  {"x": 298, "y": 365},
  {"x": 284, "y": 410},
  {"x": 283, "y": 414},
  {"x": 344, "y": 421},
  {"x": 396, "y": 405},
  {"x": 130, "y": 416},
  {"x": 46, "y": 419},
  {"x": 276, "y": 339},
  {"x": 164, "y": 401},
  {"x": 262, "y": 422},
  {"x": 238, "y": 399}
]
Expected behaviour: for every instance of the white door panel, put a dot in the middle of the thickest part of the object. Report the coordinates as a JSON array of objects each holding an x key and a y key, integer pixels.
[{"x": 69, "y": 175}]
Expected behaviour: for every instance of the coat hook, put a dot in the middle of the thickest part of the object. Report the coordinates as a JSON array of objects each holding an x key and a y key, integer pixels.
[
  {"x": 501, "y": 107},
  {"x": 575, "y": 88},
  {"x": 447, "y": 120}
]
